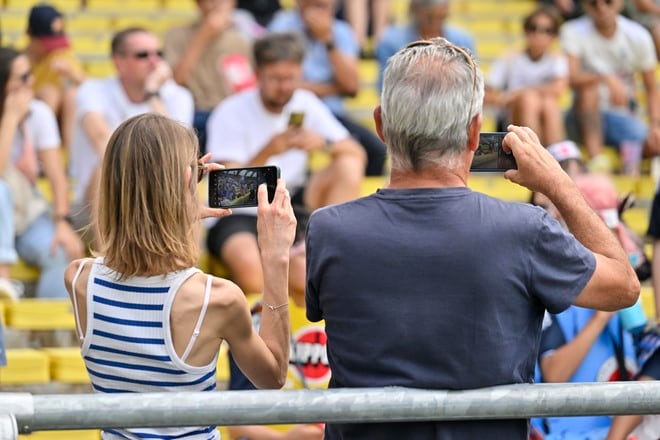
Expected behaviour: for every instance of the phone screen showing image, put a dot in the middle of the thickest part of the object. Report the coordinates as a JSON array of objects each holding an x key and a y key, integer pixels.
[
  {"x": 237, "y": 187},
  {"x": 296, "y": 119},
  {"x": 490, "y": 156}
]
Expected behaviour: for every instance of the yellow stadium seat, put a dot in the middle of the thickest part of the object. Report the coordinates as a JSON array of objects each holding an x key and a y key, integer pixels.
[
  {"x": 122, "y": 6},
  {"x": 25, "y": 366},
  {"x": 24, "y": 272},
  {"x": 222, "y": 368},
  {"x": 66, "y": 365},
  {"x": 648, "y": 301},
  {"x": 179, "y": 5},
  {"x": 89, "y": 23},
  {"x": 41, "y": 314},
  {"x": 89, "y": 434},
  {"x": 99, "y": 68},
  {"x": 637, "y": 220}
]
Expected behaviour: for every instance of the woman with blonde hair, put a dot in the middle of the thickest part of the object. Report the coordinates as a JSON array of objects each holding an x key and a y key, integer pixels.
[{"x": 148, "y": 319}]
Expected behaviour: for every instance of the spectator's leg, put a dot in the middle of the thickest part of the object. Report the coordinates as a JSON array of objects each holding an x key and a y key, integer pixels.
[
  {"x": 621, "y": 127},
  {"x": 8, "y": 254},
  {"x": 526, "y": 111},
  {"x": 589, "y": 118},
  {"x": 552, "y": 120},
  {"x": 375, "y": 148},
  {"x": 234, "y": 241},
  {"x": 339, "y": 182},
  {"x": 34, "y": 246}
]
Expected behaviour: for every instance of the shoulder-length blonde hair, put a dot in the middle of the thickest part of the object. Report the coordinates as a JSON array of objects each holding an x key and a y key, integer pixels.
[{"x": 146, "y": 210}]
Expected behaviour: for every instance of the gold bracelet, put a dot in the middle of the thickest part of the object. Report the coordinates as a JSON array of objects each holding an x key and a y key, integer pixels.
[{"x": 273, "y": 308}]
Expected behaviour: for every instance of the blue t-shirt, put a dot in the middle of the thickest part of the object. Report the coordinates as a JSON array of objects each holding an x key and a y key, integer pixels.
[
  {"x": 439, "y": 288},
  {"x": 396, "y": 37},
  {"x": 316, "y": 64}
]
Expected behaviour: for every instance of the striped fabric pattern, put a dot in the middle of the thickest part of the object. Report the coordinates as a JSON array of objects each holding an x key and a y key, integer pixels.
[{"x": 127, "y": 346}]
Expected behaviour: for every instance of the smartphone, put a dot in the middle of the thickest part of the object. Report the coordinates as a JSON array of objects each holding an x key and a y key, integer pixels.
[
  {"x": 296, "y": 119},
  {"x": 237, "y": 187},
  {"x": 490, "y": 156}
]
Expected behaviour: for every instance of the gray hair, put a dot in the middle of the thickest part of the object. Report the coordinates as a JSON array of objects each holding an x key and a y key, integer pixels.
[
  {"x": 428, "y": 90},
  {"x": 422, "y": 3}
]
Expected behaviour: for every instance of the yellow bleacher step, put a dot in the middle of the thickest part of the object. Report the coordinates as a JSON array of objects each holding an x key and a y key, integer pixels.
[
  {"x": 495, "y": 185},
  {"x": 648, "y": 301},
  {"x": 24, "y": 272},
  {"x": 66, "y": 365},
  {"x": 88, "y": 434},
  {"x": 222, "y": 367},
  {"x": 25, "y": 366},
  {"x": 637, "y": 220},
  {"x": 41, "y": 314}
]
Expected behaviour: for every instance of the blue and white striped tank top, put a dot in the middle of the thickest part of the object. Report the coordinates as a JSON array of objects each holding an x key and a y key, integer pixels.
[{"x": 128, "y": 346}]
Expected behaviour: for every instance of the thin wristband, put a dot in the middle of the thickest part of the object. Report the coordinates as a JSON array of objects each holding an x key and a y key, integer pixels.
[{"x": 273, "y": 308}]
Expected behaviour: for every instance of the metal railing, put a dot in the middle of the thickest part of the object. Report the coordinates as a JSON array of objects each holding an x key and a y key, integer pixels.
[{"x": 24, "y": 412}]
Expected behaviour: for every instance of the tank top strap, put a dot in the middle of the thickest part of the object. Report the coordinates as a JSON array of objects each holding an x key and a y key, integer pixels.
[
  {"x": 74, "y": 299},
  {"x": 200, "y": 319}
]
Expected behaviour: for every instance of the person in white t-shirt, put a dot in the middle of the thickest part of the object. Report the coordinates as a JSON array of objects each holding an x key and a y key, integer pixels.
[
  {"x": 30, "y": 227},
  {"x": 606, "y": 51},
  {"x": 526, "y": 85},
  {"x": 252, "y": 128},
  {"x": 143, "y": 84}
]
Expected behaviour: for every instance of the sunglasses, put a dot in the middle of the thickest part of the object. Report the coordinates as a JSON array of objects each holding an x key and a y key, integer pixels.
[
  {"x": 455, "y": 50},
  {"x": 144, "y": 54},
  {"x": 535, "y": 29},
  {"x": 594, "y": 3}
]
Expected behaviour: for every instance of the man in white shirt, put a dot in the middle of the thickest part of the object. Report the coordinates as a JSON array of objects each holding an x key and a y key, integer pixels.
[
  {"x": 605, "y": 52},
  {"x": 143, "y": 84},
  {"x": 255, "y": 128}
]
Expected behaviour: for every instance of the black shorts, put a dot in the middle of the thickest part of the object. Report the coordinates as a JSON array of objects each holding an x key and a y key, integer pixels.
[{"x": 225, "y": 227}]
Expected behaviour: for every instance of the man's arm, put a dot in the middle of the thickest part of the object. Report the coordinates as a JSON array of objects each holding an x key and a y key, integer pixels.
[{"x": 614, "y": 284}]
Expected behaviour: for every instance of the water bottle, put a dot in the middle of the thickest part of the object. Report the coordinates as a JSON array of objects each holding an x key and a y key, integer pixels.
[{"x": 633, "y": 318}]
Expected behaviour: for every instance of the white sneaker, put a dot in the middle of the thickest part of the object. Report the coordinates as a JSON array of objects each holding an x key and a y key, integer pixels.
[{"x": 10, "y": 289}]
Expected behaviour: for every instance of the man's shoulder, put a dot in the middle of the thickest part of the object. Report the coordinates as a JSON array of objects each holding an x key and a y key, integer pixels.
[
  {"x": 174, "y": 91},
  {"x": 239, "y": 100},
  {"x": 631, "y": 28},
  {"x": 285, "y": 19}
]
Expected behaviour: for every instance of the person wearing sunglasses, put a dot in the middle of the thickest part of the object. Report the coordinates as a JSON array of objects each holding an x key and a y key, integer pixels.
[
  {"x": 525, "y": 86},
  {"x": 57, "y": 70},
  {"x": 30, "y": 228},
  {"x": 429, "y": 284},
  {"x": 607, "y": 55},
  {"x": 148, "y": 319},
  {"x": 142, "y": 84}
]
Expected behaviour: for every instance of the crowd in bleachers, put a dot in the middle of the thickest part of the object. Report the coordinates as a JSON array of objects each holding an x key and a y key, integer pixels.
[{"x": 582, "y": 74}]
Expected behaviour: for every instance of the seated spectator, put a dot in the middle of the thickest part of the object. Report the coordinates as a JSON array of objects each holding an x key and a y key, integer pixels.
[
  {"x": 308, "y": 364},
  {"x": 368, "y": 18},
  {"x": 330, "y": 67},
  {"x": 57, "y": 72},
  {"x": 647, "y": 13},
  {"x": 143, "y": 84},
  {"x": 583, "y": 345},
  {"x": 234, "y": 141},
  {"x": 212, "y": 56},
  {"x": 30, "y": 228},
  {"x": 427, "y": 20},
  {"x": 526, "y": 85},
  {"x": 605, "y": 51},
  {"x": 641, "y": 427}
]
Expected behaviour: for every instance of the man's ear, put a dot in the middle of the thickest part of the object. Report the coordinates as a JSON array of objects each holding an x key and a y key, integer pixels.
[
  {"x": 473, "y": 132},
  {"x": 379, "y": 122}
]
